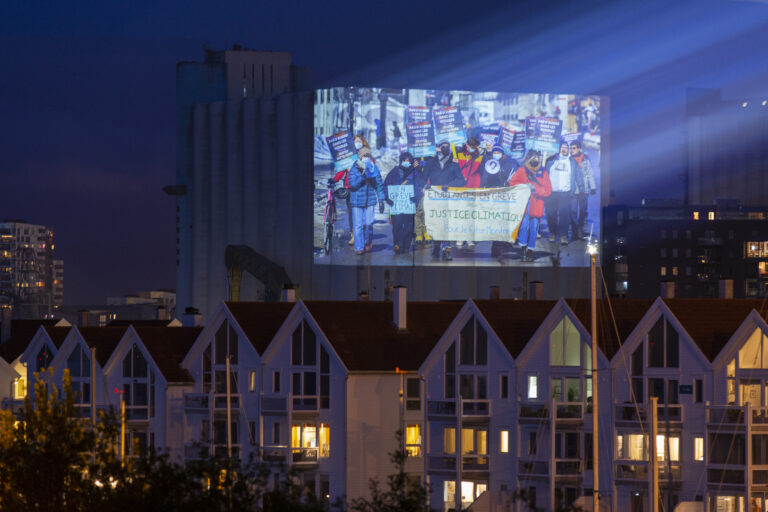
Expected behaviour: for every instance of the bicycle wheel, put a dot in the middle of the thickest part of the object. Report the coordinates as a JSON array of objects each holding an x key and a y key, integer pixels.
[{"x": 328, "y": 242}]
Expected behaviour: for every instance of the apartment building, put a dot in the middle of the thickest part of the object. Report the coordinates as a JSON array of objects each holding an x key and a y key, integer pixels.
[{"x": 491, "y": 396}]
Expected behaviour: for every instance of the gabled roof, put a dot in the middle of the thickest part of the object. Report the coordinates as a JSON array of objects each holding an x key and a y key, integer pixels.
[
  {"x": 137, "y": 323},
  {"x": 515, "y": 321},
  {"x": 105, "y": 339},
  {"x": 364, "y": 335},
  {"x": 260, "y": 320},
  {"x": 626, "y": 312},
  {"x": 23, "y": 332},
  {"x": 712, "y": 322},
  {"x": 168, "y": 346}
]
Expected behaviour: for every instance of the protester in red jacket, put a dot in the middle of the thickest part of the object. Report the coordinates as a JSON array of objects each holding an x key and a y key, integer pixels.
[
  {"x": 537, "y": 178},
  {"x": 469, "y": 163}
]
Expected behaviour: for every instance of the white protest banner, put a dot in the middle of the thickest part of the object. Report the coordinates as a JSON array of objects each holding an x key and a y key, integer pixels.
[
  {"x": 476, "y": 214},
  {"x": 401, "y": 196}
]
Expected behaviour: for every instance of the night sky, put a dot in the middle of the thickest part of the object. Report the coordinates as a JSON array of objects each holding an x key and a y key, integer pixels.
[{"x": 87, "y": 94}]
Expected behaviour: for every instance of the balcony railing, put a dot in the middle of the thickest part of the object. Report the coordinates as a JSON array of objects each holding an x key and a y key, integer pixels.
[
  {"x": 534, "y": 411},
  {"x": 567, "y": 467},
  {"x": 273, "y": 404},
  {"x": 441, "y": 407},
  {"x": 632, "y": 471},
  {"x": 195, "y": 403},
  {"x": 532, "y": 468},
  {"x": 474, "y": 462},
  {"x": 304, "y": 455},
  {"x": 476, "y": 408},
  {"x": 277, "y": 453},
  {"x": 725, "y": 415},
  {"x": 220, "y": 402},
  {"x": 305, "y": 403},
  {"x": 639, "y": 413},
  {"x": 672, "y": 471},
  {"x": 442, "y": 462},
  {"x": 569, "y": 411}
]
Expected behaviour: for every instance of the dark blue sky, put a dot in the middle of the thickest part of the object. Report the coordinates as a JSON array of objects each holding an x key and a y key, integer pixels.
[{"x": 88, "y": 88}]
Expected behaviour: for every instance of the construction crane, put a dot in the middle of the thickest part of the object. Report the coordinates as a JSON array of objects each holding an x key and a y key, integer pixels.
[{"x": 270, "y": 274}]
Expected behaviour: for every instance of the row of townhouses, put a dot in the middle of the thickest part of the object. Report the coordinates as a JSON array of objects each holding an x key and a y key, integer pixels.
[{"x": 491, "y": 396}]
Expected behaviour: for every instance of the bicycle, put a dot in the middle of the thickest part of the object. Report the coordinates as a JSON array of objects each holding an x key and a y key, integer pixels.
[{"x": 329, "y": 217}]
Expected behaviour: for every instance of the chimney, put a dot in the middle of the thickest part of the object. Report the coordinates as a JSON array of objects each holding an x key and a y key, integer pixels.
[
  {"x": 162, "y": 313},
  {"x": 363, "y": 297},
  {"x": 191, "y": 318},
  {"x": 667, "y": 289},
  {"x": 400, "y": 307},
  {"x": 83, "y": 317},
  {"x": 726, "y": 288},
  {"x": 5, "y": 324},
  {"x": 288, "y": 294},
  {"x": 495, "y": 292},
  {"x": 536, "y": 290}
]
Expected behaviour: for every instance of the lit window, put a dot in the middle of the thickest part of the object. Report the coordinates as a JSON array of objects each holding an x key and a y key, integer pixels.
[
  {"x": 504, "y": 441},
  {"x": 663, "y": 271},
  {"x": 413, "y": 440},
  {"x": 533, "y": 387},
  {"x": 564, "y": 344},
  {"x": 325, "y": 440},
  {"x": 695, "y": 215},
  {"x": 449, "y": 440},
  {"x": 251, "y": 381},
  {"x": 674, "y": 448},
  {"x": 630, "y": 447},
  {"x": 674, "y": 271},
  {"x": 698, "y": 449},
  {"x": 711, "y": 215}
]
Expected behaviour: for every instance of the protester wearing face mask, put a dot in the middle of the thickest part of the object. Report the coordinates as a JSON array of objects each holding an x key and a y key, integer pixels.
[
  {"x": 469, "y": 160},
  {"x": 366, "y": 189},
  {"x": 443, "y": 172},
  {"x": 581, "y": 197},
  {"x": 360, "y": 143},
  {"x": 402, "y": 223},
  {"x": 562, "y": 172},
  {"x": 536, "y": 177},
  {"x": 496, "y": 169}
]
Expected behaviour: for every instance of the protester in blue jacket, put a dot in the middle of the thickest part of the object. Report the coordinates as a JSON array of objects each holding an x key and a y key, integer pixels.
[
  {"x": 402, "y": 223},
  {"x": 365, "y": 190}
]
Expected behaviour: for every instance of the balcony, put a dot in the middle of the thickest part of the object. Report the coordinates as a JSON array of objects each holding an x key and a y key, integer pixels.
[
  {"x": 725, "y": 416},
  {"x": 437, "y": 408},
  {"x": 631, "y": 414},
  {"x": 442, "y": 463},
  {"x": 531, "y": 468},
  {"x": 632, "y": 471},
  {"x": 304, "y": 456},
  {"x": 569, "y": 411},
  {"x": 475, "y": 408},
  {"x": 220, "y": 402},
  {"x": 670, "y": 472},
  {"x": 533, "y": 412},
  {"x": 305, "y": 403},
  {"x": 195, "y": 403},
  {"x": 273, "y": 405},
  {"x": 474, "y": 462},
  {"x": 275, "y": 454},
  {"x": 568, "y": 467}
]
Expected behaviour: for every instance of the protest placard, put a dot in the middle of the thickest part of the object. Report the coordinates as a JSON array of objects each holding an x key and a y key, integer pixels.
[
  {"x": 421, "y": 139},
  {"x": 475, "y": 214},
  {"x": 449, "y": 126},
  {"x": 488, "y": 135},
  {"x": 571, "y": 137},
  {"x": 418, "y": 114},
  {"x": 513, "y": 142},
  {"x": 401, "y": 196},
  {"x": 543, "y": 133},
  {"x": 343, "y": 153}
]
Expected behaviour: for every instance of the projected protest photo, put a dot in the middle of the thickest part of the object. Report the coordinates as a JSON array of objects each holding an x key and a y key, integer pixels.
[{"x": 430, "y": 177}]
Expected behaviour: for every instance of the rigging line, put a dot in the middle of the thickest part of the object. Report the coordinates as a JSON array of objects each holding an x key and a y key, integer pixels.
[{"x": 632, "y": 395}]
